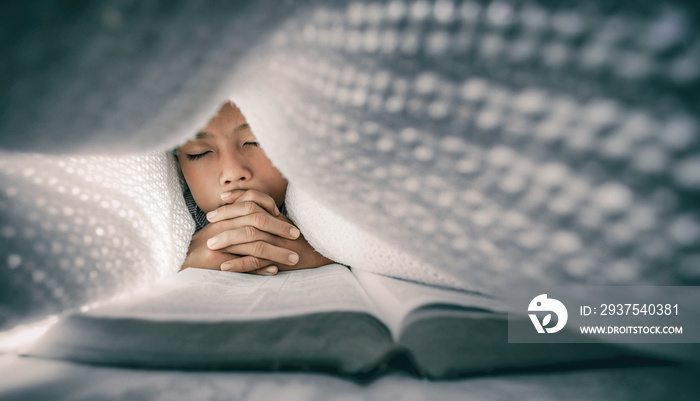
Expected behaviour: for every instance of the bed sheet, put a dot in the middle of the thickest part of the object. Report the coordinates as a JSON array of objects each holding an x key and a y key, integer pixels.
[{"x": 25, "y": 378}]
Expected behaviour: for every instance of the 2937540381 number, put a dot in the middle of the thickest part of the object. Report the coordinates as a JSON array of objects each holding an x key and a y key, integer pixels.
[{"x": 638, "y": 309}]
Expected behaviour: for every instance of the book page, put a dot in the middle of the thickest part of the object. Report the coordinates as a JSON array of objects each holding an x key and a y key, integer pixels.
[
  {"x": 396, "y": 298},
  {"x": 210, "y": 295}
]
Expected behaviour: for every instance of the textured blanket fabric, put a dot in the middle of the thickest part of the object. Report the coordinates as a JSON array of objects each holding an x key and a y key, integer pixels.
[{"x": 466, "y": 143}]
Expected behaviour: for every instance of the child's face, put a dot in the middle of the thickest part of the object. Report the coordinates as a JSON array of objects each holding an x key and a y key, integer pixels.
[{"x": 225, "y": 157}]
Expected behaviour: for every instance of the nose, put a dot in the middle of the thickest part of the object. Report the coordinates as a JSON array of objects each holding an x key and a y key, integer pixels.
[{"x": 232, "y": 169}]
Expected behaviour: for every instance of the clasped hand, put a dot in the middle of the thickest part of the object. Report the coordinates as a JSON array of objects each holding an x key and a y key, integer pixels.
[{"x": 249, "y": 234}]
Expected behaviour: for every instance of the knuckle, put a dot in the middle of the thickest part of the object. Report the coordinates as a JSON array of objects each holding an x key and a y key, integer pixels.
[
  {"x": 258, "y": 248},
  {"x": 249, "y": 207},
  {"x": 252, "y": 264},
  {"x": 259, "y": 219},
  {"x": 250, "y": 232}
]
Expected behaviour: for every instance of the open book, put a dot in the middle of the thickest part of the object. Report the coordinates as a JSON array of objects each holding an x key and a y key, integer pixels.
[{"x": 328, "y": 319}]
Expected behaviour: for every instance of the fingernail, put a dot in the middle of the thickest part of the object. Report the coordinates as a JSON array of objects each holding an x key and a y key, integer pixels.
[
  {"x": 277, "y": 211},
  {"x": 226, "y": 266},
  {"x": 212, "y": 241},
  {"x": 271, "y": 270},
  {"x": 293, "y": 258},
  {"x": 294, "y": 232},
  {"x": 225, "y": 195},
  {"x": 212, "y": 214}
]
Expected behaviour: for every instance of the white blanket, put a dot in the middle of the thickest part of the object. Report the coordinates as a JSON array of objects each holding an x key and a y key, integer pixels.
[{"x": 465, "y": 144}]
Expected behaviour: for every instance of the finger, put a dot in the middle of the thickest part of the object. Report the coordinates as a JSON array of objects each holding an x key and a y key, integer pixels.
[
  {"x": 231, "y": 211},
  {"x": 236, "y": 236},
  {"x": 264, "y": 250},
  {"x": 232, "y": 196},
  {"x": 266, "y": 271},
  {"x": 264, "y": 200},
  {"x": 261, "y": 221},
  {"x": 244, "y": 264}
]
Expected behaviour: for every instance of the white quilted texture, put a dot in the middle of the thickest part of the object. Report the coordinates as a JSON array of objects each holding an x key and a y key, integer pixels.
[
  {"x": 425, "y": 125},
  {"x": 467, "y": 143},
  {"x": 81, "y": 229},
  {"x": 341, "y": 240}
]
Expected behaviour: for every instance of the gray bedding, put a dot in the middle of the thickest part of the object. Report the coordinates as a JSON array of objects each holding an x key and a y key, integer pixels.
[{"x": 37, "y": 379}]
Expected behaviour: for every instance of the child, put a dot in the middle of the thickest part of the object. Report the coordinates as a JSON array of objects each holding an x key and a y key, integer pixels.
[{"x": 235, "y": 195}]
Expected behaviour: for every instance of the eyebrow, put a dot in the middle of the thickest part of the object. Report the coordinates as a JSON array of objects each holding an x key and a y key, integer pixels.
[
  {"x": 241, "y": 127},
  {"x": 204, "y": 134}
]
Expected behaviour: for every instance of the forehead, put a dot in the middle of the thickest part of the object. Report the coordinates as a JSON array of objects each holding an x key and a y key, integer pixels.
[
  {"x": 228, "y": 120},
  {"x": 235, "y": 129},
  {"x": 229, "y": 116}
]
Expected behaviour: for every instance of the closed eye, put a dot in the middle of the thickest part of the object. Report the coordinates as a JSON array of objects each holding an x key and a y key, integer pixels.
[
  {"x": 197, "y": 156},
  {"x": 251, "y": 143}
]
